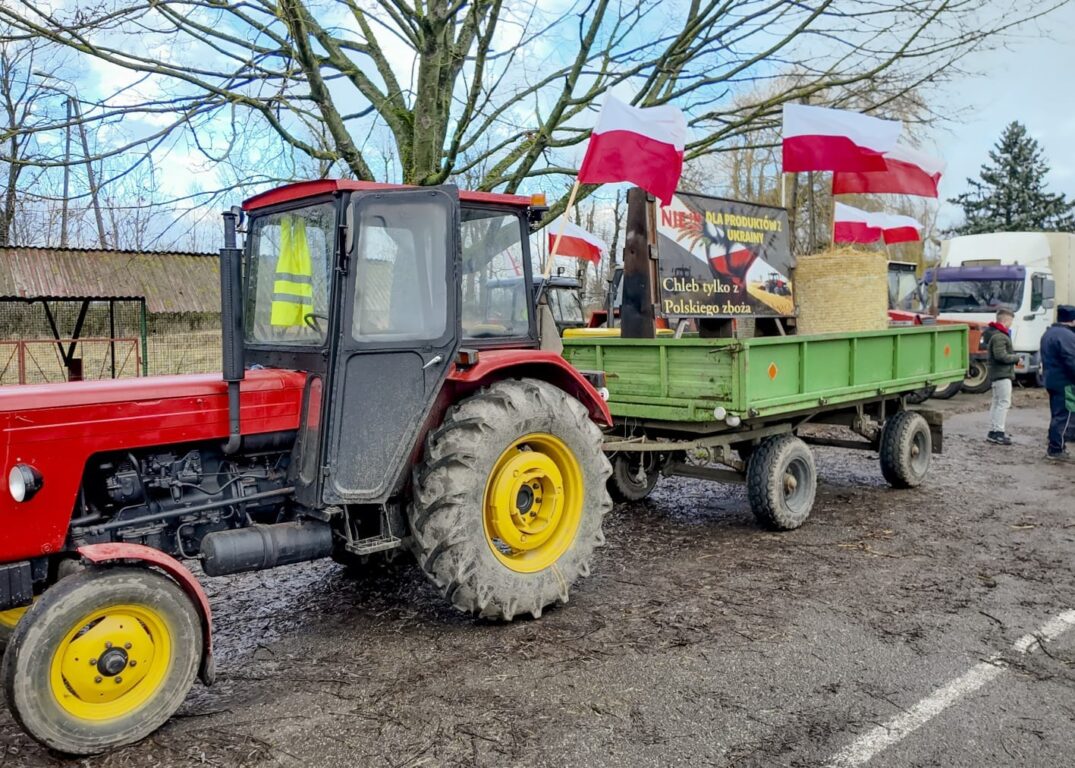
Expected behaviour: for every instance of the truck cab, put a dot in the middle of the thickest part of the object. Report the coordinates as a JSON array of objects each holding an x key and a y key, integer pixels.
[{"x": 981, "y": 274}]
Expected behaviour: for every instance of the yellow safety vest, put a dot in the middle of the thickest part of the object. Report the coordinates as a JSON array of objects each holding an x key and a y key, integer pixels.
[{"x": 293, "y": 287}]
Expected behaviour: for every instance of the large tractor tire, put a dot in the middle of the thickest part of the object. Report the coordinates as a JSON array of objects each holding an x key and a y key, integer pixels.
[
  {"x": 977, "y": 379},
  {"x": 781, "y": 482},
  {"x": 509, "y": 499},
  {"x": 634, "y": 475},
  {"x": 906, "y": 449},
  {"x": 102, "y": 659}
]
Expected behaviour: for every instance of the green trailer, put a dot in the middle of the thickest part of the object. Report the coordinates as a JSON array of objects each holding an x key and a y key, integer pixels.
[{"x": 738, "y": 409}]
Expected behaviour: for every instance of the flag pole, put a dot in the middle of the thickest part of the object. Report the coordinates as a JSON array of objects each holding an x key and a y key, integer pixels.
[{"x": 560, "y": 234}]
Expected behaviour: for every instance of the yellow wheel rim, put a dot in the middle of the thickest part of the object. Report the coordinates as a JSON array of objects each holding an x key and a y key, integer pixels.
[
  {"x": 10, "y": 617},
  {"x": 533, "y": 502},
  {"x": 111, "y": 662}
]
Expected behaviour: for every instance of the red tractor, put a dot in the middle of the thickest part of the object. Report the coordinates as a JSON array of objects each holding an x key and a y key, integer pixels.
[{"x": 355, "y": 417}]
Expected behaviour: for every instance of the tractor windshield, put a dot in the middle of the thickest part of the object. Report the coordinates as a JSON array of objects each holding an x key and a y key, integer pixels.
[
  {"x": 494, "y": 273},
  {"x": 288, "y": 283},
  {"x": 566, "y": 307}
]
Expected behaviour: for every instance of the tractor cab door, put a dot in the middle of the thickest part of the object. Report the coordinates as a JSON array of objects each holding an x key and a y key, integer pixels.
[{"x": 396, "y": 334}]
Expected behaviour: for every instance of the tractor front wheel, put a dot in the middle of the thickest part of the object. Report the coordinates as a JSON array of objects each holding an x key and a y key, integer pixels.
[
  {"x": 509, "y": 499},
  {"x": 102, "y": 659}
]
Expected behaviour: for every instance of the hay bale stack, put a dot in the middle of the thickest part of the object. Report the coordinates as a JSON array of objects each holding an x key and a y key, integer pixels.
[{"x": 840, "y": 290}]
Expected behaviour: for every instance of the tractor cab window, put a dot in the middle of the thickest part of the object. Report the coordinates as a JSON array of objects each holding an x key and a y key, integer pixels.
[
  {"x": 400, "y": 265},
  {"x": 288, "y": 282},
  {"x": 495, "y": 300},
  {"x": 565, "y": 305}
]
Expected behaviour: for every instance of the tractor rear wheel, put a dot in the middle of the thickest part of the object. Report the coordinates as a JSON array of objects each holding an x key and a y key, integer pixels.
[
  {"x": 102, "y": 659},
  {"x": 509, "y": 499}
]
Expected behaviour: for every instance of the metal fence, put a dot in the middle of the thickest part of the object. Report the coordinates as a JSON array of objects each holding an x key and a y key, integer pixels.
[{"x": 71, "y": 339}]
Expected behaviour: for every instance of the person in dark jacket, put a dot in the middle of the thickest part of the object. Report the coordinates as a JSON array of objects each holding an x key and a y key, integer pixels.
[
  {"x": 1001, "y": 366},
  {"x": 1058, "y": 357}
]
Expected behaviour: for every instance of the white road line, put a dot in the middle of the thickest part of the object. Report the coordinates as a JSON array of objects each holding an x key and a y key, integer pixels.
[{"x": 862, "y": 749}]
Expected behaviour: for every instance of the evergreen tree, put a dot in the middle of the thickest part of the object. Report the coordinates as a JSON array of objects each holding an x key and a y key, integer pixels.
[{"x": 1010, "y": 196}]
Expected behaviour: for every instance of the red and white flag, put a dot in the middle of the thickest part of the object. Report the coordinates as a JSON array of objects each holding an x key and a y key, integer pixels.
[
  {"x": 640, "y": 145},
  {"x": 821, "y": 139},
  {"x": 853, "y": 225},
  {"x": 576, "y": 242},
  {"x": 909, "y": 172}
]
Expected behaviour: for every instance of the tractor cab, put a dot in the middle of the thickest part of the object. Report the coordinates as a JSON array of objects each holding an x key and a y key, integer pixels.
[
  {"x": 372, "y": 289},
  {"x": 510, "y": 303}
]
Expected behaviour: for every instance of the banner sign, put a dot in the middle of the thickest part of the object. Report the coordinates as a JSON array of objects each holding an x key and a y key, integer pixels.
[{"x": 723, "y": 258}]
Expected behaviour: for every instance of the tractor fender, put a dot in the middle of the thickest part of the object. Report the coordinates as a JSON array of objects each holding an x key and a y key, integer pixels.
[
  {"x": 102, "y": 554},
  {"x": 496, "y": 364}
]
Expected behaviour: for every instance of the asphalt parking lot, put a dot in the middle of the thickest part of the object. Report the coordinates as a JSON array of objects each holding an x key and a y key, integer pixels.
[{"x": 930, "y": 627}]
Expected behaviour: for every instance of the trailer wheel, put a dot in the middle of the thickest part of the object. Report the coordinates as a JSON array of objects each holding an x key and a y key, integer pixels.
[
  {"x": 781, "y": 482},
  {"x": 906, "y": 447},
  {"x": 102, "y": 659},
  {"x": 977, "y": 379},
  {"x": 509, "y": 499},
  {"x": 921, "y": 395},
  {"x": 634, "y": 475},
  {"x": 948, "y": 392}
]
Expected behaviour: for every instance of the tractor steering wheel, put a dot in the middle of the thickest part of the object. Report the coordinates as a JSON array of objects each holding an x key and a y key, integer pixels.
[{"x": 312, "y": 322}]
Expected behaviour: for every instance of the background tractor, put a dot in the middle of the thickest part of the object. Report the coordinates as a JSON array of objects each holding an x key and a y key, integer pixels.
[{"x": 355, "y": 417}]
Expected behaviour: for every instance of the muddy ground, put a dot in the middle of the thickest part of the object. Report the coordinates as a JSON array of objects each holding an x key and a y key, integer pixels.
[{"x": 700, "y": 639}]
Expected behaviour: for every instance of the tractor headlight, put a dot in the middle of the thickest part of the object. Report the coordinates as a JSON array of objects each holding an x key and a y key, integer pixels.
[
  {"x": 603, "y": 391},
  {"x": 23, "y": 482}
]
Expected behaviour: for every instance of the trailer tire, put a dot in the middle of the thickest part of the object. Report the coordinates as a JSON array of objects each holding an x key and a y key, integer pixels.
[
  {"x": 781, "y": 482},
  {"x": 947, "y": 393},
  {"x": 977, "y": 379},
  {"x": 634, "y": 475},
  {"x": 509, "y": 499},
  {"x": 921, "y": 395},
  {"x": 906, "y": 447},
  {"x": 146, "y": 635}
]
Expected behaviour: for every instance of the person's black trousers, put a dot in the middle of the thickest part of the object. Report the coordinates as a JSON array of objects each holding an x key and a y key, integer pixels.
[{"x": 1062, "y": 423}]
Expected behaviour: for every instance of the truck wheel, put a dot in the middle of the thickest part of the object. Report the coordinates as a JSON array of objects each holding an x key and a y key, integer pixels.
[
  {"x": 102, "y": 659},
  {"x": 906, "y": 447},
  {"x": 634, "y": 475},
  {"x": 977, "y": 379},
  {"x": 509, "y": 499},
  {"x": 781, "y": 482},
  {"x": 948, "y": 392}
]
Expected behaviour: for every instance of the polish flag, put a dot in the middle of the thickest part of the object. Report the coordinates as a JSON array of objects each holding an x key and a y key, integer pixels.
[
  {"x": 576, "y": 242},
  {"x": 852, "y": 225},
  {"x": 909, "y": 172},
  {"x": 643, "y": 146},
  {"x": 821, "y": 139}
]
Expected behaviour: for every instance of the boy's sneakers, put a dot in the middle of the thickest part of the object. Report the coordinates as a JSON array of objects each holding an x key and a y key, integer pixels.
[
  {"x": 1060, "y": 456},
  {"x": 999, "y": 438}
]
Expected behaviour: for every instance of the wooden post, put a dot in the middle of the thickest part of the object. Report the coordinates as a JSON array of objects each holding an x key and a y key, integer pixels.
[{"x": 636, "y": 312}]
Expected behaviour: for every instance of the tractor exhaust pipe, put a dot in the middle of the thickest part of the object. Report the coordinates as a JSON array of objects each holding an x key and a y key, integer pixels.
[{"x": 231, "y": 316}]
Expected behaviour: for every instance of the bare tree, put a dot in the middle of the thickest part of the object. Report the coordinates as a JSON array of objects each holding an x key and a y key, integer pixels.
[{"x": 431, "y": 91}]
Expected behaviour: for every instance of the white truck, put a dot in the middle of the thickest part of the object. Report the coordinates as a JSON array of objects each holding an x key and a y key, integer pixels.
[{"x": 1026, "y": 272}]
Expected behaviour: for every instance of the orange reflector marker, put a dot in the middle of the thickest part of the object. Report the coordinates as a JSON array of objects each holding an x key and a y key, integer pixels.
[{"x": 466, "y": 358}]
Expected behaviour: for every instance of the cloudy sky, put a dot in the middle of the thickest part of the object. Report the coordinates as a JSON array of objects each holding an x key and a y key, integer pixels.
[{"x": 1033, "y": 81}]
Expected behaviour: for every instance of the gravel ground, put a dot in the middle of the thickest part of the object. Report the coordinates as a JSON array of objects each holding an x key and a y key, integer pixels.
[{"x": 699, "y": 640}]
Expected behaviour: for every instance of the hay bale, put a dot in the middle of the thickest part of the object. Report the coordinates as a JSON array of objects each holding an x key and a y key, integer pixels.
[{"x": 841, "y": 290}]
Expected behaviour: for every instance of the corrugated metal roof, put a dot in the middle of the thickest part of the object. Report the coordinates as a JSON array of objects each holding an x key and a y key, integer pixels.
[{"x": 169, "y": 282}]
